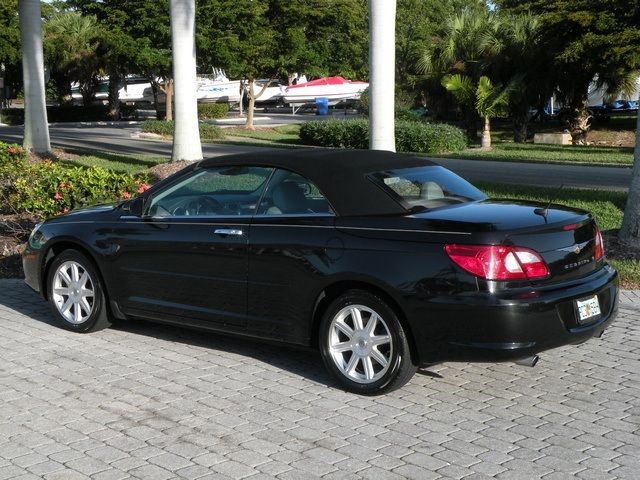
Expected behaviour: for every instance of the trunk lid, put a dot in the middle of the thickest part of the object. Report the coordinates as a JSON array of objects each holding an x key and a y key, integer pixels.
[{"x": 564, "y": 237}]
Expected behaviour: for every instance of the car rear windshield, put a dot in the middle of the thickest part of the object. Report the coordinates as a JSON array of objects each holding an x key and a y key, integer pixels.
[{"x": 426, "y": 187}]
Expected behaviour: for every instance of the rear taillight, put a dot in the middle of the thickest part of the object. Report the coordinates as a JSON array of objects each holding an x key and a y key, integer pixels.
[
  {"x": 498, "y": 262},
  {"x": 599, "y": 248}
]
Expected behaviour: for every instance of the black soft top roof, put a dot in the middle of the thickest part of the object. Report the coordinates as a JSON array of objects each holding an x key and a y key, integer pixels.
[{"x": 339, "y": 174}]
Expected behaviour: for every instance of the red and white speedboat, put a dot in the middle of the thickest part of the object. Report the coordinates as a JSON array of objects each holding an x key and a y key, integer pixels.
[{"x": 336, "y": 89}]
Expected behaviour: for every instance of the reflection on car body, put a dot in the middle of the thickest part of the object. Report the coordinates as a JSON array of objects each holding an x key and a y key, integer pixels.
[{"x": 383, "y": 262}]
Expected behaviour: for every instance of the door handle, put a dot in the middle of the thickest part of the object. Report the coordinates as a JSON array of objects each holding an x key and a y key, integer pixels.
[{"x": 228, "y": 231}]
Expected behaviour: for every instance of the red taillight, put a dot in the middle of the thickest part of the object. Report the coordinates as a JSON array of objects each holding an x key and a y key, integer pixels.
[
  {"x": 599, "y": 248},
  {"x": 498, "y": 262}
]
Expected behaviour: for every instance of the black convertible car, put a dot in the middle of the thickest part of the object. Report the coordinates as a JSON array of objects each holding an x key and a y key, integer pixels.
[{"x": 384, "y": 262}]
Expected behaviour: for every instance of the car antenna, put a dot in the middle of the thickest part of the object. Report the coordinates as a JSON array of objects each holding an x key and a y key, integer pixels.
[{"x": 544, "y": 211}]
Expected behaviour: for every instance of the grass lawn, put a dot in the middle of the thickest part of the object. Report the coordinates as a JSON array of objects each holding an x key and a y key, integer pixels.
[
  {"x": 131, "y": 163},
  {"x": 529, "y": 152},
  {"x": 286, "y": 134}
]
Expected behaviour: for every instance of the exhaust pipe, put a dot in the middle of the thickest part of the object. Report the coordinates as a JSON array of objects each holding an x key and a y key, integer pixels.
[{"x": 529, "y": 361}]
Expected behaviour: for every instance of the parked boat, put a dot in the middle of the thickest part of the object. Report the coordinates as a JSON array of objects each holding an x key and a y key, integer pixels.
[{"x": 336, "y": 89}]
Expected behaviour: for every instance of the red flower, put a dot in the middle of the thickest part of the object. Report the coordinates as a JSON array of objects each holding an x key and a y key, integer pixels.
[
  {"x": 57, "y": 197},
  {"x": 143, "y": 187},
  {"x": 65, "y": 210},
  {"x": 126, "y": 195},
  {"x": 12, "y": 150}
]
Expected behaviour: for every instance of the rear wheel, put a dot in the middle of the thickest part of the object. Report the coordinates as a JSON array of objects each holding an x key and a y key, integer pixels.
[
  {"x": 76, "y": 294},
  {"x": 364, "y": 345}
]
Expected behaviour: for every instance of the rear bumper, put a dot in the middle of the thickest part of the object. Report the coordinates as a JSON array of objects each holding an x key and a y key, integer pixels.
[{"x": 512, "y": 325}]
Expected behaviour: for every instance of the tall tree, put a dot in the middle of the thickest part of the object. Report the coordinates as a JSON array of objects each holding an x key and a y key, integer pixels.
[
  {"x": 186, "y": 135},
  {"x": 71, "y": 43},
  {"x": 586, "y": 39},
  {"x": 265, "y": 40},
  {"x": 36, "y": 128},
  {"x": 468, "y": 46},
  {"x": 137, "y": 39},
  {"x": 382, "y": 21},
  {"x": 630, "y": 231}
]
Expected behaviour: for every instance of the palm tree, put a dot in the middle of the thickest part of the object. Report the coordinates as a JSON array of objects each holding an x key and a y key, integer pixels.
[
  {"x": 470, "y": 43},
  {"x": 71, "y": 47},
  {"x": 186, "y": 135},
  {"x": 36, "y": 129},
  {"x": 382, "y": 15},
  {"x": 630, "y": 231},
  {"x": 489, "y": 99}
]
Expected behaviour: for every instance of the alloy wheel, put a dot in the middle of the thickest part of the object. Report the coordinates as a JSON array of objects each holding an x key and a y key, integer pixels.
[
  {"x": 360, "y": 344},
  {"x": 73, "y": 292}
]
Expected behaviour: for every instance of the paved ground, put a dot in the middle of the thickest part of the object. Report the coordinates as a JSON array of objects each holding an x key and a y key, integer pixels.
[
  {"x": 152, "y": 402},
  {"x": 124, "y": 139}
]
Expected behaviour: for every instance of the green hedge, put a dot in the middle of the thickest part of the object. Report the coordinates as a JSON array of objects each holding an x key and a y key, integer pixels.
[
  {"x": 210, "y": 111},
  {"x": 49, "y": 188},
  {"x": 411, "y": 136},
  {"x": 165, "y": 127}
]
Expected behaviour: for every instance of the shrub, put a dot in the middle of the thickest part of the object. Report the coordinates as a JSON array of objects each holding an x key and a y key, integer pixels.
[
  {"x": 336, "y": 133},
  {"x": 49, "y": 188},
  {"x": 165, "y": 127},
  {"x": 208, "y": 111},
  {"x": 411, "y": 136},
  {"x": 421, "y": 137}
]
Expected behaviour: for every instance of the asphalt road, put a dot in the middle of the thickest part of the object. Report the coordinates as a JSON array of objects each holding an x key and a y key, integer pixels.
[{"x": 123, "y": 138}]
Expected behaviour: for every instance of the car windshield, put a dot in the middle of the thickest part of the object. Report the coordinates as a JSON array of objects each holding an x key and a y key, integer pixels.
[{"x": 426, "y": 187}]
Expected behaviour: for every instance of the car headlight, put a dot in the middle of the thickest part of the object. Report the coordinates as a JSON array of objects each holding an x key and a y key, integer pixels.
[{"x": 37, "y": 238}]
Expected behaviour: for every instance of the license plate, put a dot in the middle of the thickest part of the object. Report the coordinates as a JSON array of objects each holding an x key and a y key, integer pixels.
[{"x": 588, "y": 308}]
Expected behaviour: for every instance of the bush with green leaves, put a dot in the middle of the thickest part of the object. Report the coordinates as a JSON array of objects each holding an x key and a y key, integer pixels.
[
  {"x": 209, "y": 111},
  {"x": 165, "y": 127},
  {"x": 411, "y": 136},
  {"x": 48, "y": 188}
]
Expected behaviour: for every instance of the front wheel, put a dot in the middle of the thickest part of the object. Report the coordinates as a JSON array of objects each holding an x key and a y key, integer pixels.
[
  {"x": 363, "y": 344},
  {"x": 76, "y": 294}
]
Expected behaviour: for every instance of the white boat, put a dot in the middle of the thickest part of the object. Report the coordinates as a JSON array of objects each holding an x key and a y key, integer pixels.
[
  {"x": 336, "y": 89},
  {"x": 218, "y": 89}
]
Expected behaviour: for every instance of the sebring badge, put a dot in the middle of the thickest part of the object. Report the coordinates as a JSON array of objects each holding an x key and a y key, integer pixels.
[{"x": 575, "y": 248}]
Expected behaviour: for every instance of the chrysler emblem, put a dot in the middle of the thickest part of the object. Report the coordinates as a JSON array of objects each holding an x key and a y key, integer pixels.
[{"x": 575, "y": 248}]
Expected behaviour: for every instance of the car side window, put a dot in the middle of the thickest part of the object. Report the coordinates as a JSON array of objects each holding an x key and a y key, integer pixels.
[
  {"x": 210, "y": 192},
  {"x": 291, "y": 194}
]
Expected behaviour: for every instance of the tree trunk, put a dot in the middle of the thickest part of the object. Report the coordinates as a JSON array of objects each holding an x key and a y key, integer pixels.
[
  {"x": 579, "y": 120},
  {"x": 630, "y": 231},
  {"x": 252, "y": 105},
  {"x": 486, "y": 135},
  {"x": 382, "y": 59},
  {"x": 251, "y": 93},
  {"x": 168, "y": 99},
  {"x": 114, "y": 96},
  {"x": 36, "y": 128},
  {"x": 186, "y": 135},
  {"x": 520, "y": 124}
]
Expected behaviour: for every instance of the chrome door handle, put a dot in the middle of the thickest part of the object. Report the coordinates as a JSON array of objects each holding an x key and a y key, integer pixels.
[{"x": 228, "y": 231}]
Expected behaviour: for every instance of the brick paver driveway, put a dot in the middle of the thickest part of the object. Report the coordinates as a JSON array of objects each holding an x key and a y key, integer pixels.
[{"x": 145, "y": 401}]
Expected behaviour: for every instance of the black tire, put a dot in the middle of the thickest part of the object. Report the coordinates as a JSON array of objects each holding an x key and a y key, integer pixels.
[
  {"x": 97, "y": 317},
  {"x": 376, "y": 378}
]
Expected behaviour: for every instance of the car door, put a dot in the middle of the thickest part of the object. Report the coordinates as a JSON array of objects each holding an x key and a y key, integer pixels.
[
  {"x": 186, "y": 258},
  {"x": 293, "y": 246}
]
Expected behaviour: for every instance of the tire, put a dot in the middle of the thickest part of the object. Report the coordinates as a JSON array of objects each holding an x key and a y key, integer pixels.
[
  {"x": 363, "y": 361},
  {"x": 76, "y": 294}
]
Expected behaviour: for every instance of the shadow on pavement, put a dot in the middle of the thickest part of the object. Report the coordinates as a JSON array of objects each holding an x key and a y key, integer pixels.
[{"x": 304, "y": 363}]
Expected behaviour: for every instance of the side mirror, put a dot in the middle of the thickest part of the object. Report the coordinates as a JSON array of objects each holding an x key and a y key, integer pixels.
[{"x": 136, "y": 206}]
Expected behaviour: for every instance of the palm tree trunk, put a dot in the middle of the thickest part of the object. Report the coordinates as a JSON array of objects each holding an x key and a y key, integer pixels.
[
  {"x": 251, "y": 107},
  {"x": 382, "y": 59},
  {"x": 486, "y": 135},
  {"x": 630, "y": 231},
  {"x": 36, "y": 129},
  {"x": 186, "y": 135}
]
